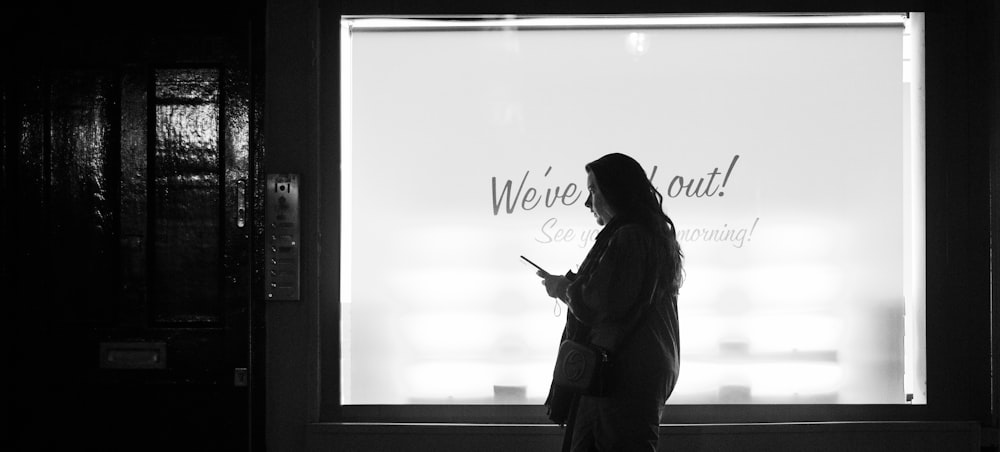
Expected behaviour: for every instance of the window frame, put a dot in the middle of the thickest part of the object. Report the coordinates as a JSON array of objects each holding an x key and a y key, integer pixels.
[{"x": 950, "y": 396}]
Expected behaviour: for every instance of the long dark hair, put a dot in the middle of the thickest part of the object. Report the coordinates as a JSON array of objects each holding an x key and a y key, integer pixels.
[{"x": 634, "y": 199}]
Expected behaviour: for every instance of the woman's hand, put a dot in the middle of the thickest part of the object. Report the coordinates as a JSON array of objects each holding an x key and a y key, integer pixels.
[{"x": 555, "y": 285}]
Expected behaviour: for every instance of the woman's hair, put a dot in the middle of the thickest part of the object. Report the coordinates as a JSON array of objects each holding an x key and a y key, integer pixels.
[{"x": 627, "y": 189}]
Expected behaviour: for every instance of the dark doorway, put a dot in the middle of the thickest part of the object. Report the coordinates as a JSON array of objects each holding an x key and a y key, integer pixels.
[{"x": 130, "y": 152}]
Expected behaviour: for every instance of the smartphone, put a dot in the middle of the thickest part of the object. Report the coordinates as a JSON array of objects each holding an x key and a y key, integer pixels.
[{"x": 534, "y": 265}]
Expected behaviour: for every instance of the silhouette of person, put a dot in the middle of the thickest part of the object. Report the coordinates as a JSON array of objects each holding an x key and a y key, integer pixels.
[{"x": 624, "y": 300}]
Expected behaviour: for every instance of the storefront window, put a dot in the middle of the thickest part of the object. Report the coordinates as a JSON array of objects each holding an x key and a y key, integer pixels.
[{"x": 788, "y": 150}]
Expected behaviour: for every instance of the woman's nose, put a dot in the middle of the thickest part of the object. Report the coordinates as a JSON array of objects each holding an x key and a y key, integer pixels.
[{"x": 588, "y": 202}]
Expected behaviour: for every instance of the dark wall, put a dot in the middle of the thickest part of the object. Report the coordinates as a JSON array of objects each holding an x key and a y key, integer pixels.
[{"x": 66, "y": 263}]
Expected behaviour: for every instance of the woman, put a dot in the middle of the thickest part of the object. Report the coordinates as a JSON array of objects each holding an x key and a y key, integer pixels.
[{"x": 623, "y": 300}]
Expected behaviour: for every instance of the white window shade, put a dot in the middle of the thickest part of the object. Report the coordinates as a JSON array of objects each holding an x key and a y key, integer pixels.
[{"x": 783, "y": 154}]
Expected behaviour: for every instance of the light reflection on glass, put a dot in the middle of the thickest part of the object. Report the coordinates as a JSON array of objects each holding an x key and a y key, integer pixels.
[{"x": 636, "y": 43}]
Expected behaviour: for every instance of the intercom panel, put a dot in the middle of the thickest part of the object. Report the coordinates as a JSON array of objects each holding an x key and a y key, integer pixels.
[{"x": 282, "y": 237}]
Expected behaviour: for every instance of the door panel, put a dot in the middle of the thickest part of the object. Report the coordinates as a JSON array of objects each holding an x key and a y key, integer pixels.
[
  {"x": 186, "y": 203},
  {"x": 82, "y": 212}
]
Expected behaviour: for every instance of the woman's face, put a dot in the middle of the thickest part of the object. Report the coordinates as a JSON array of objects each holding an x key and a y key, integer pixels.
[{"x": 596, "y": 202}]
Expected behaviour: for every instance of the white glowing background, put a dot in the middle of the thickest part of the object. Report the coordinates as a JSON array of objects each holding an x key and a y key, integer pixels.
[{"x": 785, "y": 155}]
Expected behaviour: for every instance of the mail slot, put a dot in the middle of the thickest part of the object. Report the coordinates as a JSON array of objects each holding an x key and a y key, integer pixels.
[{"x": 133, "y": 355}]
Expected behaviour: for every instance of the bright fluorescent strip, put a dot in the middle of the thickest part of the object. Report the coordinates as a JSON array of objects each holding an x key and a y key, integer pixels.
[
  {"x": 361, "y": 23},
  {"x": 346, "y": 163},
  {"x": 346, "y": 182}
]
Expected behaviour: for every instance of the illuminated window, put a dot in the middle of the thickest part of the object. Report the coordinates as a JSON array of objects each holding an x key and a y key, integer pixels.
[{"x": 788, "y": 149}]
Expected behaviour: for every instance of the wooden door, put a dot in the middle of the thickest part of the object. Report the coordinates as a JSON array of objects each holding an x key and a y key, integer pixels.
[{"x": 129, "y": 212}]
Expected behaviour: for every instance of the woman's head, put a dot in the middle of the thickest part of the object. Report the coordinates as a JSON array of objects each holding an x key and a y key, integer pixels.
[
  {"x": 618, "y": 186},
  {"x": 620, "y": 189}
]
